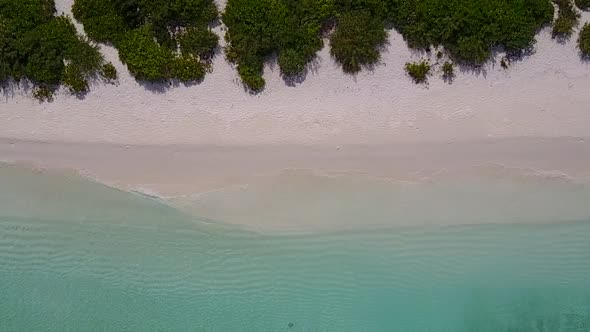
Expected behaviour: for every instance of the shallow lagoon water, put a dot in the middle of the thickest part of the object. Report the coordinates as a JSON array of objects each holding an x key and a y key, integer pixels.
[{"x": 78, "y": 256}]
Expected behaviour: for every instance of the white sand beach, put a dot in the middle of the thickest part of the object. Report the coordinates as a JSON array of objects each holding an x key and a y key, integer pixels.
[
  {"x": 546, "y": 95},
  {"x": 181, "y": 142},
  {"x": 289, "y": 188}
]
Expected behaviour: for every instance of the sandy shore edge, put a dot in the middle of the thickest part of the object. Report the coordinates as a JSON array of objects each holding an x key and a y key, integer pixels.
[
  {"x": 203, "y": 145},
  {"x": 300, "y": 188}
]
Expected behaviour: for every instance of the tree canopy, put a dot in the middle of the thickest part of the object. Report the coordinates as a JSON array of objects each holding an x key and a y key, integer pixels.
[
  {"x": 158, "y": 39},
  {"x": 469, "y": 29},
  {"x": 584, "y": 41},
  {"x": 44, "y": 49},
  {"x": 258, "y": 29},
  {"x": 292, "y": 30}
]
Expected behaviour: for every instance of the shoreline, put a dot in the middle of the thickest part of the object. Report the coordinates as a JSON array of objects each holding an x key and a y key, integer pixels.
[
  {"x": 317, "y": 188},
  {"x": 185, "y": 169},
  {"x": 198, "y": 147}
]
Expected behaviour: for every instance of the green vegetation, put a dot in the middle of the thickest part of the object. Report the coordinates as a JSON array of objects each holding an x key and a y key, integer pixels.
[
  {"x": 43, "y": 93},
  {"x": 292, "y": 30},
  {"x": 469, "y": 29},
  {"x": 584, "y": 41},
  {"x": 74, "y": 79},
  {"x": 357, "y": 40},
  {"x": 448, "y": 70},
  {"x": 199, "y": 42},
  {"x": 257, "y": 29},
  {"x": 567, "y": 19},
  {"x": 418, "y": 71},
  {"x": 44, "y": 49},
  {"x": 109, "y": 72},
  {"x": 583, "y": 4},
  {"x": 158, "y": 40},
  {"x": 145, "y": 58},
  {"x": 187, "y": 68}
]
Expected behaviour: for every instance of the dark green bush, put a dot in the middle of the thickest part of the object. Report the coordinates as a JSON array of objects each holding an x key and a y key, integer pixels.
[
  {"x": 198, "y": 41},
  {"x": 187, "y": 69},
  {"x": 418, "y": 71},
  {"x": 44, "y": 50},
  {"x": 102, "y": 22},
  {"x": 35, "y": 45},
  {"x": 252, "y": 76},
  {"x": 292, "y": 62},
  {"x": 43, "y": 93},
  {"x": 169, "y": 13},
  {"x": 583, "y": 4},
  {"x": 25, "y": 15},
  {"x": 469, "y": 29},
  {"x": 109, "y": 71},
  {"x": 74, "y": 79},
  {"x": 567, "y": 19},
  {"x": 257, "y": 29},
  {"x": 584, "y": 40},
  {"x": 148, "y": 33},
  {"x": 375, "y": 8},
  {"x": 5, "y": 70},
  {"x": 448, "y": 70},
  {"x": 357, "y": 40},
  {"x": 145, "y": 58}
]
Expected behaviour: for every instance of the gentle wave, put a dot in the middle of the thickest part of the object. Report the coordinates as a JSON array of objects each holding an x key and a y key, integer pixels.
[
  {"x": 132, "y": 263},
  {"x": 298, "y": 200}
]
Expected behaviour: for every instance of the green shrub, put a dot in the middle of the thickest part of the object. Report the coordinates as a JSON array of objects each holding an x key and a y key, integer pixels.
[
  {"x": 148, "y": 33},
  {"x": 418, "y": 71},
  {"x": 25, "y": 15},
  {"x": 357, "y": 39},
  {"x": 583, "y": 4},
  {"x": 257, "y": 29},
  {"x": 43, "y": 93},
  {"x": 187, "y": 69},
  {"x": 471, "y": 50},
  {"x": 448, "y": 70},
  {"x": 584, "y": 40},
  {"x": 100, "y": 18},
  {"x": 85, "y": 56},
  {"x": 199, "y": 42},
  {"x": 252, "y": 77},
  {"x": 43, "y": 50},
  {"x": 74, "y": 79},
  {"x": 109, "y": 72},
  {"x": 106, "y": 29},
  {"x": 567, "y": 19},
  {"x": 35, "y": 45},
  {"x": 168, "y": 13},
  {"x": 145, "y": 59},
  {"x": 292, "y": 62},
  {"x": 469, "y": 29}
]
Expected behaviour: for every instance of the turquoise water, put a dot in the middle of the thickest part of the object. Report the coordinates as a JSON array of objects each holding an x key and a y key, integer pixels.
[{"x": 106, "y": 260}]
